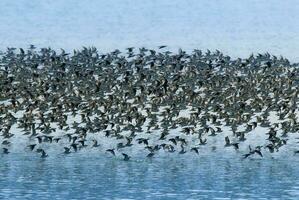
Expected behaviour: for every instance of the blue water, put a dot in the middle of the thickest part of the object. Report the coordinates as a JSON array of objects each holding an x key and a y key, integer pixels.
[
  {"x": 80, "y": 176},
  {"x": 235, "y": 27}
]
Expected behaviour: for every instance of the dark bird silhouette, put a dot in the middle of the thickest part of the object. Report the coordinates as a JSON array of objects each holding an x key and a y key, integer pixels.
[
  {"x": 31, "y": 146},
  {"x": 150, "y": 155},
  {"x": 126, "y": 157},
  {"x": 67, "y": 150},
  {"x": 195, "y": 149},
  {"x": 5, "y": 151},
  {"x": 44, "y": 154},
  {"x": 111, "y": 151}
]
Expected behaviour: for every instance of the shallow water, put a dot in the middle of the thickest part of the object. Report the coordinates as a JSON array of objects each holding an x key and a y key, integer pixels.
[{"x": 80, "y": 176}]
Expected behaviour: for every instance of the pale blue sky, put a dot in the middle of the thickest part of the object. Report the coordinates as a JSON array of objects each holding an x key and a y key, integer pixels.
[{"x": 233, "y": 26}]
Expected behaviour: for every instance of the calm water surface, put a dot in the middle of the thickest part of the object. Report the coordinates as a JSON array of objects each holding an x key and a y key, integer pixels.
[{"x": 82, "y": 176}]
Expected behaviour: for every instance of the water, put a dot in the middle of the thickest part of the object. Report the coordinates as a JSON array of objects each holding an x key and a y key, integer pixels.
[
  {"x": 235, "y": 27},
  {"x": 82, "y": 176}
]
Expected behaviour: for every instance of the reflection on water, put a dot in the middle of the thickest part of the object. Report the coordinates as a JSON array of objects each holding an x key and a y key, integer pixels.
[{"x": 182, "y": 177}]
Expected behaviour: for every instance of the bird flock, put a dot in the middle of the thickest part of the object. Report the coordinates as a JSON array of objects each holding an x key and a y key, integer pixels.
[{"x": 146, "y": 102}]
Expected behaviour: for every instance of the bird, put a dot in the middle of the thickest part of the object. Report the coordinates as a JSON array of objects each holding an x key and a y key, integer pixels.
[
  {"x": 126, "y": 157},
  {"x": 144, "y": 99},
  {"x": 202, "y": 141},
  {"x": 5, "y": 151},
  {"x": 67, "y": 150},
  {"x": 44, "y": 154},
  {"x": 31, "y": 146},
  {"x": 257, "y": 150},
  {"x": 150, "y": 155},
  {"x": 56, "y": 140},
  {"x": 227, "y": 141},
  {"x": 162, "y": 46},
  {"x": 95, "y": 143},
  {"x": 111, "y": 151},
  {"x": 74, "y": 146},
  {"x": 195, "y": 149}
]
